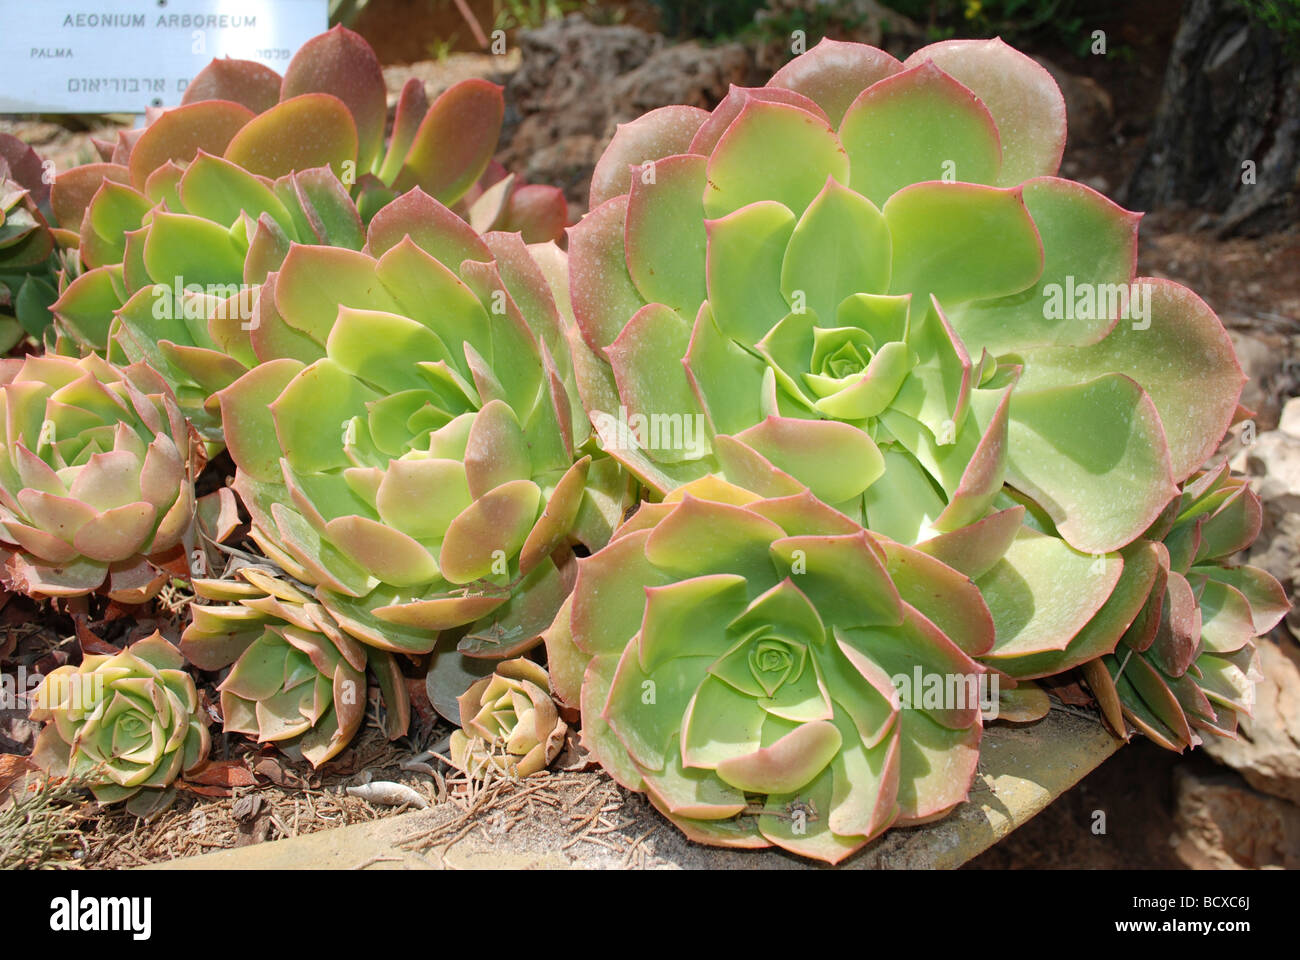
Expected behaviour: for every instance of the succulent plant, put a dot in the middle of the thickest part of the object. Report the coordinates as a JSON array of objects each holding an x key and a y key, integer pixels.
[
  {"x": 331, "y": 108},
  {"x": 27, "y": 256},
  {"x": 297, "y": 679},
  {"x": 96, "y": 479},
  {"x": 748, "y": 663},
  {"x": 193, "y": 273},
  {"x": 509, "y": 723},
  {"x": 121, "y": 723},
  {"x": 413, "y": 452},
  {"x": 186, "y": 241},
  {"x": 327, "y": 112},
  {"x": 1187, "y": 665},
  {"x": 881, "y": 244}
]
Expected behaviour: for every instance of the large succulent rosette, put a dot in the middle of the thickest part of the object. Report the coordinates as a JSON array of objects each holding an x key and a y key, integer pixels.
[
  {"x": 296, "y": 680},
  {"x": 414, "y": 450},
  {"x": 123, "y": 724},
  {"x": 97, "y": 474},
  {"x": 886, "y": 245},
  {"x": 1187, "y": 664},
  {"x": 752, "y": 665}
]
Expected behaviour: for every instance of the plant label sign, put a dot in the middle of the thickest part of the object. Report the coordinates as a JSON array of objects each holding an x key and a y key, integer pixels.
[{"x": 84, "y": 56}]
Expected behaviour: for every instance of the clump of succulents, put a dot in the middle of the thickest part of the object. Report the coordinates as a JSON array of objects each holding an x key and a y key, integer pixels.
[
  {"x": 866, "y": 278},
  {"x": 327, "y": 113},
  {"x": 755, "y": 666},
  {"x": 27, "y": 253},
  {"x": 904, "y": 416},
  {"x": 296, "y": 678},
  {"x": 413, "y": 451},
  {"x": 124, "y": 724},
  {"x": 97, "y": 474},
  {"x": 509, "y": 723},
  {"x": 330, "y": 107},
  {"x": 1187, "y": 664}
]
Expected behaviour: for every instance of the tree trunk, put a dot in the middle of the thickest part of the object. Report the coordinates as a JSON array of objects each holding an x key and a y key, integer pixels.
[{"x": 1226, "y": 138}]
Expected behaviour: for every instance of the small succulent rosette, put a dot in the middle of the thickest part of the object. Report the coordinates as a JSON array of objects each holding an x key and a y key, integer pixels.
[
  {"x": 509, "y": 723},
  {"x": 27, "y": 258},
  {"x": 96, "y": 479},
  {"x": 770, "y": 673},
  {"x": 123, "y": 724},
  {"x": 410, "y": 444},
  {"x": 887, "y": 246},
  {"x": 296, "y": 680},
  {"x": 1187, "y": 665}
]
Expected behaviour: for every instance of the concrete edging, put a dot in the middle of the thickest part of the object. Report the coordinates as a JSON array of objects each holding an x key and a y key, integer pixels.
[{"x": 1022, "y": 770}]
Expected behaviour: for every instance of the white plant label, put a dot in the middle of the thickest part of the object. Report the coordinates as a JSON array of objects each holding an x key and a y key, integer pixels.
[{"x": 83, "y": 56}]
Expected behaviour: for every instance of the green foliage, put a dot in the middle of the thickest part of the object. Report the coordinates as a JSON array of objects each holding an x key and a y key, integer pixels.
[
  {"x": 779, "y": 21},
  {"x": 1280, "y": 16},
  {"x": 707, "y": 19},
  {"x": 345, "y": 12},
  {"x": 531, "y": 14},
  {"x": 1069, "y": 22}
]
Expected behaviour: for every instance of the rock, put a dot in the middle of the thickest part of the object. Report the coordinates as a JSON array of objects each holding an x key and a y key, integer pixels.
[
  {"x": 686, "y": 73},
  {"x": 1268, "y": 359},
  {"x": 438, "y": 75},
  {"x": 1267, "y": 749},
  {"x": 558, "y": 101},
  {"x": 1221, "y": 823},
  {"x": 577, "y": 81},
  {"x": 1273, "y": 462},
  {"x": 1088, "y": 107},
  {"x": 1274, "y": 459}
]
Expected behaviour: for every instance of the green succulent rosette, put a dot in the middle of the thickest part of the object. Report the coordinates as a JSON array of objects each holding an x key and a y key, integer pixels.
[
  {"x": 509, "y": 723},
  {"x": 884, "y": 248},
  {"x": 444, "y": 147},
  {"x": 885, "y": 245},
  {"x": 749, "y": 664},
  {"x": 1187, "y": 664},
  {"x": 415, "y": 451},
  {"x": 124, "y": 724},
  {"x": 97, "y": 471},
  {"x": 296, "y": 678}
]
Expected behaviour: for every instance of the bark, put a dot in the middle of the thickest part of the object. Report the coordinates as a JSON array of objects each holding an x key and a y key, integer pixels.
[{"x": 1231, "y": 95}]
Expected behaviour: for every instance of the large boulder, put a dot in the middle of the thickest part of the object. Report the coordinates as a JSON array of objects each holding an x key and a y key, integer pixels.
[{"x": 577, "y": 82}]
